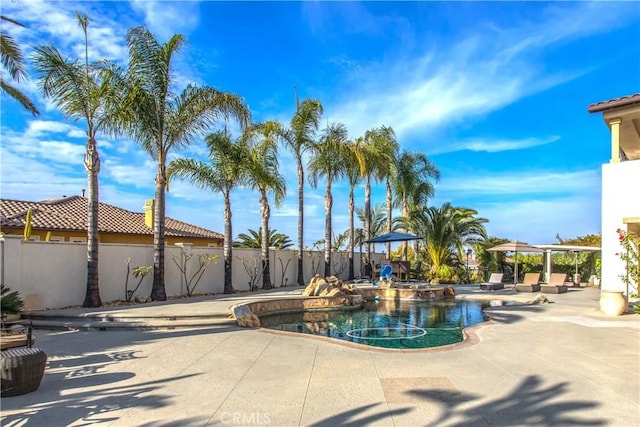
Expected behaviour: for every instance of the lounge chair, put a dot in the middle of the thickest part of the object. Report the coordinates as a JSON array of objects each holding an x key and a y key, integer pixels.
[
  {"x": 530, "y": 283},
  {"x": 556, "y": 284},
  {"x": 494, "y": 283}
]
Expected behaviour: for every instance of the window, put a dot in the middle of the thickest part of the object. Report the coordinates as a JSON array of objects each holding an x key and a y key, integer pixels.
[{"x": 78, "y": 239}]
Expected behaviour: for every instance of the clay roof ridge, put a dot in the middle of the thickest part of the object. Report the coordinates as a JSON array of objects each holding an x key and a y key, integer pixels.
[{"x": 613, "y": 103}]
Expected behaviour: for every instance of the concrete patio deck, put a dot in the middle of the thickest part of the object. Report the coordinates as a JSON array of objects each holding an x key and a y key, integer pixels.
[{"x": 554, "y": 364}]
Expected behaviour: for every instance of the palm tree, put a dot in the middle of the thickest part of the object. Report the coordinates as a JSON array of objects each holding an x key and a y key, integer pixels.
[
  {"x": 82, "y": 93},
  {"x": 375, "y": 157},
  {"x": 253, "y": 239},
  {"x": 161, "y": 121},
  {"x": 388, "y": 147},
  {"x": 222, "y": 174},
  {"x": 327, "y": 161},
  {"x": 263, "y": 174},
  {"x": 378, "y": 219},
  {"x": 411, "y": 182},
  {"x": 352, "y": 171},
  {"x": 446, "y": 231},
  {"x": 13, "y": 62},
  {"x": 298, "y": 138}
]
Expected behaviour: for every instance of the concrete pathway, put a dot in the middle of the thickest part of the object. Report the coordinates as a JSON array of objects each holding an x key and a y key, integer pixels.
[{"x": 554, "y": 364}]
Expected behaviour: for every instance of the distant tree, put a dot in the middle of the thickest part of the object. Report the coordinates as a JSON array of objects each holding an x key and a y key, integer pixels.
[
  {"x": 13, "y": 63},
  {"x": 488, "y": 260},
  {"x": 378, "y": 220},
  {"x": 253, "y": 239}
]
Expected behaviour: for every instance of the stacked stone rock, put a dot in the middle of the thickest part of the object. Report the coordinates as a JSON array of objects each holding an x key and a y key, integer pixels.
[{"x": 328, "y": 287}]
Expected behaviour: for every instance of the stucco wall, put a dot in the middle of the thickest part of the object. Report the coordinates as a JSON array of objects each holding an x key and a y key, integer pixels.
[
  {"x": 620, "y": 199},
  {"x": 53, "y": 275}
]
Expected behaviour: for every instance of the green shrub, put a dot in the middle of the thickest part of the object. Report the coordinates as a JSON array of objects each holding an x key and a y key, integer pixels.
[{"x": 10, "y": 301}]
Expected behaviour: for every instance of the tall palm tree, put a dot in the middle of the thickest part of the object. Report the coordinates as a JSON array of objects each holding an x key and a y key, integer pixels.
[
  {"x": 80, "y": 90},
  {"x": 298, "y": 138},
  {"x": 222, "y": 174},
  {"x": 388, "y": 147},
  {"x": 446, "y": 230},
  {"x": 161, "y": 121},
  {"x": 263, "y": 174},
  {"x": 375, "y": 157},
  {"x": 327, "y": 161},
  {"x": 253, "y": 239},
  {"x": 13, "y": 61},
  {"x": 352, "y": 170}
]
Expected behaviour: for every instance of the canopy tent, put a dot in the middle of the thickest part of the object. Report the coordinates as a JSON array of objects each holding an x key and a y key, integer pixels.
[
  {"x": 563, "y": 248},
  {"x": 394, "y": 236},
  {"x": 515, "y": 246}
]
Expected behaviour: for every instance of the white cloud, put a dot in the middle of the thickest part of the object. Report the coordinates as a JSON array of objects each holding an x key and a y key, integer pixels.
[
  {"x": 492, "y": 145},
  {"x": 520, "y": 183},
  {"x": 164, "y": 18},
  {"x": 419, "y": 91},
  {"x": 140, "y": 175},
  {"x": 38, "y": 128}
]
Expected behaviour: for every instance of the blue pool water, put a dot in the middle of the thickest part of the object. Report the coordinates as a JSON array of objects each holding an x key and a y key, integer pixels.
[{"x": 387, "y": 323}]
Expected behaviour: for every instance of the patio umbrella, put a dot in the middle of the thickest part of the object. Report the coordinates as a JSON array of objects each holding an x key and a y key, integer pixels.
[
  {"x": 394, "y": 236},
  {"x": 515, "y": 246}
]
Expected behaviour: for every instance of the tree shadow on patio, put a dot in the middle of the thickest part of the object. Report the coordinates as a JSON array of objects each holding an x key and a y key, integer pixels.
[{"x": 530, "y": 403}]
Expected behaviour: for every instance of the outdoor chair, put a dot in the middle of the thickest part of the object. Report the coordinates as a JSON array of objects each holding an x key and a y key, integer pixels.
[
  {"x": 22, "y": 366},
  {"x": 494, "y": 283},
  {"x": 555, "y": 285},
  {"x": 530, "y": 283}
]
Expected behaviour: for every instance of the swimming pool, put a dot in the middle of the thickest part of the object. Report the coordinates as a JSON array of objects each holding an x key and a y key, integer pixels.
[{"x": 387, "y": 323}]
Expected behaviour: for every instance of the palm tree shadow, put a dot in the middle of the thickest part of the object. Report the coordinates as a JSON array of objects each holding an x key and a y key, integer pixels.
[
  {"x": 346, "y": 418},
  {"x": 529, "y": 404}
]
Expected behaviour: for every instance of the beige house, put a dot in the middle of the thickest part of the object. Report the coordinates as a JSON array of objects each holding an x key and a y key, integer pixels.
[
  {"x": 65, "y": 220},
  {"x": 620, "y": 182}
]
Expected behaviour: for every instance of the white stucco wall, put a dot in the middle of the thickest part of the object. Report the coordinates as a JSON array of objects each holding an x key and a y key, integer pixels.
[
  {"x": 53, "y": 275},
  {"x": 620, "y": 199}
]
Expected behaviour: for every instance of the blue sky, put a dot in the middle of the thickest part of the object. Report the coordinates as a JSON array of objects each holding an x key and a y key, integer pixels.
[{"x": 494, "y": 93}]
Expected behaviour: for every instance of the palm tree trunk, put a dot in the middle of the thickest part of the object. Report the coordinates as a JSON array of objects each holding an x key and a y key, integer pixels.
[
  {"x": 158, "y": 292},
  {"x": 227, "y": 246},
  {"x": 328, "y": 203},
  {"x": 300, "y": 222},
  {"x": 352, "y": 234},
  {"x": 389, "y": 213},
  {"x": 265, "y": 212},
  {"x": 367, "y": 220},
  {"x": 92, "y": 166}
]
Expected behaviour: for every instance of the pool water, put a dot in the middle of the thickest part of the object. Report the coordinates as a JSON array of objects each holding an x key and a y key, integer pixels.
[{"x": 387, "y": 323}]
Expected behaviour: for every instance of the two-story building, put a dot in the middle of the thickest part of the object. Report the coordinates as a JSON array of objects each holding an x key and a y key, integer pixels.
[{"x": 620, "y": 183}]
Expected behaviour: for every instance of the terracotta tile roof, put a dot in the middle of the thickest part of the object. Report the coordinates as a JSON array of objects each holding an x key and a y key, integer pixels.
[
  {"x": 623, "y": 101},
  {"x": 70, "y": 213}
]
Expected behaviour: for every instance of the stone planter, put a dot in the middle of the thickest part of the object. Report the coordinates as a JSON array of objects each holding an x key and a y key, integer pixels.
[{"x": 613, "y": 303}]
